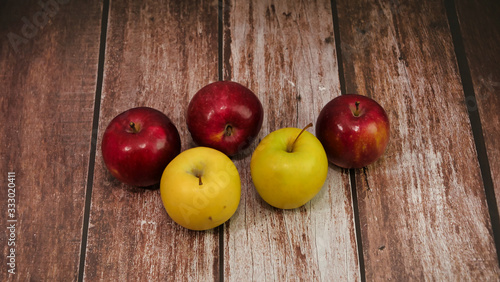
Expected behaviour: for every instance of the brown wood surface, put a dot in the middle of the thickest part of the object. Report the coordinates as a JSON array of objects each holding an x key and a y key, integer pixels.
[
  {"x": 158, "y": 54},
  {"x": 285, "y": 53},
  {"x": 422, "y": 208},
  {"x": 47, "y": 82},
  {"x": 480, "y": 27},
  {"x": 423, "y": 213}
]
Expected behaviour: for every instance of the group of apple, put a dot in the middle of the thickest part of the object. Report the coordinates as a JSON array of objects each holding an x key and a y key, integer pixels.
[{"x": 200, "y": 187}]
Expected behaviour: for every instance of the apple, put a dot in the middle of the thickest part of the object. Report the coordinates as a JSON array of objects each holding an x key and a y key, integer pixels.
[
  {"x": 224, "y": 115},
  {"x": 200, "y": 188},
  {"x": 354, "y": 130},
  {"x": 289, "y": 167},
  {"x": 138, "y": 144}
]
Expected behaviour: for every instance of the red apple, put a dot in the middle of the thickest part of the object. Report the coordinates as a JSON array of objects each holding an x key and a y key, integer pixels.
[
  {"x": 354, "y": 130},
  {"x": 226, "y": 116},
  {"x": 138, "y": 144}
]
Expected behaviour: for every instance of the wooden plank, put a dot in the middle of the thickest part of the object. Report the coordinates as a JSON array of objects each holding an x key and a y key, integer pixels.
[
  {"x": 48, "y": 67},
  {"x": 481, "y": 35},
  {"x": 158, "y": 54},
  {"x": 285, "y": 52},
  {"x": 422, "y": 207}
]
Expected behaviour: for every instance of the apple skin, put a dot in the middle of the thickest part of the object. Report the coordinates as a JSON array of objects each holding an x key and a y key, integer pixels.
[
  {"x": 350, "y": 140},
  {"x": 139, "y": 158},
  {"x": 200, "y": 188},
  {"x": 226, "y": 116},
  {"x": 288, "y": 180}
]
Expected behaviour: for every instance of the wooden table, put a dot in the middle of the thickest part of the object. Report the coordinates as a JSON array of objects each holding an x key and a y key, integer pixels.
[{"x": 427, "y": 210}]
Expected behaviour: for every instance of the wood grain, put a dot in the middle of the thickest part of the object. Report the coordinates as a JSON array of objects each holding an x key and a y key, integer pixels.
[
  {"x": 285, "y": 52},
  {"x": 481, "y": 35},
  {"x": 158, "y": 54},
  {"x": 422, "y": 206},
  {"x": 48, "y": 77}
]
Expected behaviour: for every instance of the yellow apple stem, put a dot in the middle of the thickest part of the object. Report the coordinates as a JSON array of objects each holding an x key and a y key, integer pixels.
[
  {"x": 290, "y": 147},
  {"x": 197, "y": 172}
]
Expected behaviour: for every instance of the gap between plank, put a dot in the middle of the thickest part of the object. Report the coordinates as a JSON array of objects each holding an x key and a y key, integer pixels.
[
  {"x": 352, "y": 172},
  {"x": 336, "y": 32},
  {"x": 95, "y": 126},
  {"x": 475, "y": 120},
  {"x": 220, "y": 43},
  {"x": 357, "y": 223},
  {"x": 220, "y": 39}
]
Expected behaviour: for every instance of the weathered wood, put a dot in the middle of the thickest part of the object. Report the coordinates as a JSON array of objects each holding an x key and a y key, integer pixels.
[
  {"x": 48, "y": 67},
  {"x": 158, "y": 54},
  {"x": 285, "y": 52},
  {"x": 422, "y": 206},
  {"x": 481, "y": 35}
]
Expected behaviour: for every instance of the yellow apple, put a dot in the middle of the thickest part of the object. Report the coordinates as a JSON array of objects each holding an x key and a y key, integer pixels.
[
  {"x": 200, "y": 188},
  {"x": 289, "y": 167}
]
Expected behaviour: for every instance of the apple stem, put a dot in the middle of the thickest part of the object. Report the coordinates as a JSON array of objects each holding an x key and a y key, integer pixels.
[
  {"x": 228, "y": 131},
  {"x": 132, "y": 125},
  {"x": 290, "y": 147},
  {"x": 198, "y": 173},
  {"x": 356, "y": 113}
]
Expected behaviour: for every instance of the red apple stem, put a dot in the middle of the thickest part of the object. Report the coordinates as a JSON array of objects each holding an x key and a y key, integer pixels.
[
  {"x": 132, "y": 125},
  {"x": 290, "y": 147},
  {"x": 356, "y": 113},
  {"x": 228, "y": 130}
]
